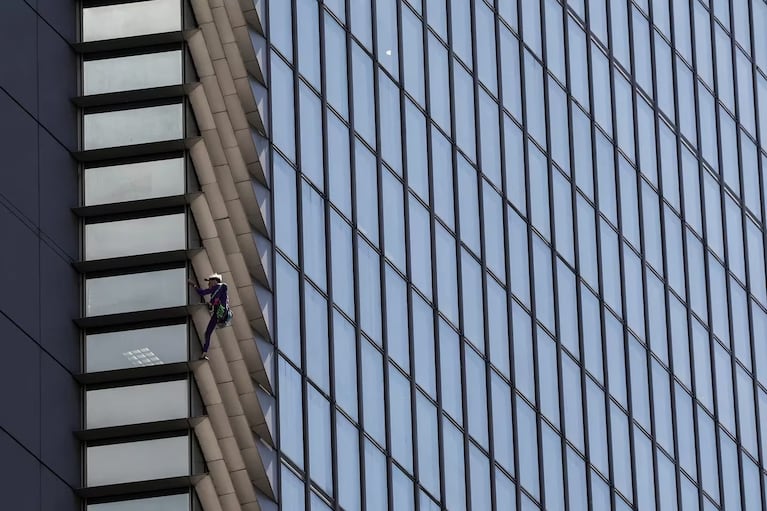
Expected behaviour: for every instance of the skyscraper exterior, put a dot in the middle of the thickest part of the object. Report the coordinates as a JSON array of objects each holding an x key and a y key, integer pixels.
[{"x": 481, "y": 255}]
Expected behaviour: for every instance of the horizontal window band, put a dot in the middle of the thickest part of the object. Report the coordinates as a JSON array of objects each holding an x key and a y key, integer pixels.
[
  {"x": 138, "y": 430},
  {"x": 136, "y": 318},
  {"x": 134, "y": 373},
  {"x": 127, "y": 151},
  {"x": 135, "y": 261},
  {"x": 137, "y": 206},
  {"x": 124, "y": 43},
  {"x": 133, "y": 96},
  {"x": 170, "y": 483}
]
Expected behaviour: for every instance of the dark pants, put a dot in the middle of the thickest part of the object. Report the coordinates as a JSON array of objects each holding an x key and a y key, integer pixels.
[{"x": 209, "y": 331}]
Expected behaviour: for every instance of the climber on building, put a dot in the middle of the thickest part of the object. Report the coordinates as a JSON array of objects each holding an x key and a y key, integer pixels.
[{"x": 221, "y": 315}]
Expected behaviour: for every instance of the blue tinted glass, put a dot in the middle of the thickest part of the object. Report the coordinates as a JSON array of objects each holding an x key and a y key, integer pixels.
[
  {"x": 402, "y": 491},
  {"x": 450, "y": 371},
  {"x": 391, "y": 127},
  {"x": 548, "y": 384},
  {"x": 376, "y": 495},
  {"x": 400, "y": 419},
  {"x": 645, "y": 481},
  {"x": 539, "y": 191},
  {"x": 724, "y": 68},
  {"x": 616, "y": 359},
  {"x": 343, "y": 267},
  {"x": 460, "y": 16},
  {"x": 366, "y": 192},
  {"x": 316, "y": 318},
  {"x": 471, "y": 297},
  {"x": 292, "y": 490},
  {"x": 452, "y": 446},
  {"x": 286, "y": 218},
  {"x": 523, "y": 351},
  {"x": 498, "y": 330},
  {"x": 362, "y": 21},
  {"x": 469, "y": 205},
  {"x": 412, "y": 40},
  {"x": 746, "y": 411},
  {"x": 661, "y": 390},
  {"x": 396, "y": 319},
  {"x": 702, "y": 360},
  {"x": 510, "y": 73},
  {"x": 674, "y": 252},
  {"x": 648, "y": 161},
  {"x": 560, "y": 135},
  {"x": 291, "y": 412},
  {"x": 544, "y": 283},
  {"x": 592, "y": 337},
  {"x": 555, "y": 44},
  {"x": 417, "y": 158},
  {"x": 664, "y": 76},
  {"x": 476, "y": 387},
  {"x": 311, "y": 136},
  {"x": 420, "y": 246},
  {"x": 505, "y": 491},
  {"x": 553, "y": 473},
  {"x": 394, "y": 220},
  {"x": 307, "y": 18},
  {"x": 492, "y": 205},
  {"x": 576, "y": 481},
  {"x": 634, "y": 291},
  {"x": 313, "y": 231},
  {"x": 428, "y": 457},
  {"x": 568, "y": 309},
  {"x": 703, "y": 49},
  {"x": 386, "y": 35},
  {"x": 583, "y": 160},
  {"x": 479, "y": 467},
  {"x": 436, "y": 13},
  {"x": 734, "y": 229},
  {"x": 518, "y": 254},
  {"x": 423, "y": 341},
  {"x": 684, "y": 418},
  {"x": 611, "y": 270},
  {"x": 339, "y": 168},
  {"x": 577, "y": 54},
  {"x": 370, "y": 283},
  {"x": 573, "y": 402},
  {"x": 503, "y": 420},
  {"x": 600, "y": 88},
  {"x": 288, "y": 333},
  {"x": 490, "y": 144},
  {"x": 283, "y": 126},
  {"x": 485, "y": 34},
  {"x": 465, "y": 126},
  {"x": 587, "y": 242},
  {"x": 321, "y": 466},
  {"x": 624, "y": 114},
  {"x": 534, "y": 107},
  {"x": 280, "y": 28},
  {"x": 439, "y": 83},
  {"x": 347, "y": 448},
  {"x": 531, "y": 26},
  {"x": 595, "y": 402},
  {"x": 442, "y": 177},
  {"x": 679, "y": 340},
  {"x": 372, "y": 392},
  {"x": 724, "y": 397},
  {"x": 709, "y": 468},
  {"x": 345, "y": 364},
  {"x": 447, "y": 286},
  {"x": 642, "y": 60},
  {"x": 528, "y": 449},
  {"x": 364, "y": 108},
  {"x": 606, "y": 178},
  {"x": 514, "y": 157},
  {"x": 640, "y": 400}
]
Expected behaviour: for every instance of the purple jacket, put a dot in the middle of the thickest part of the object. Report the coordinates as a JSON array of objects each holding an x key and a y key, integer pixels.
[{"x": 218, "y": 294}]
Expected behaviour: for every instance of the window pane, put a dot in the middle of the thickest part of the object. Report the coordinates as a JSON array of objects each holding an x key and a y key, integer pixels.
[
  {"x": 386, "y": 34},
  {"x": 134, "y": 181},
  {"x": 131, "y": 19},
  {"x": 135, "y": 126},
  {"x": 166, "y": 503},
  {"x": 138, "y": 461},
  {"x": 132, "y": 72},
  {"x": 348, "y": 455},
  {"x": 476, "y": 387},
  {"x": 400, "y": 422},
  {"x": 314, "y": 235},
  {"x": 311, "y": 136},
  {"x": 135, "y": 348},
  {"x": 139, "y": 236},
  {"x": 319, "y": 440},
  {"x": 307, "y": 17},
  {"x": 335, "y": 66},
  {"x": 412, "y": 39},
  {"x": 423, "y": 338},
  {"x": 373, "y": 392},
  {"x": 134, "y": 292},
  {"x": 375, "y": 479},
  {"x": 370, "y": 300},
  {"x": 291, "y": 412},
  {"x": 439, "y": 84},
  {"x": 391, "y": 125},
  {"x": 137, "y": 403},
  {"x": 345, "y": 364},
  {"x": 283, "y": 126},
  {"x": 316, "y": 338},
  {"x": 455, "y": 485},
  {"x": 450, "y": 368},
  {"x": 364, "y": 109}
]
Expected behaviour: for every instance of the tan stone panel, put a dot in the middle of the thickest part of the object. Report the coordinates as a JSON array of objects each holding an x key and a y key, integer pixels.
[
  {"x": 202, "y": 11},
  {"x": 201, "y": 107},
  {"x": 240, "y": 275},
  {"x": 251, "y": 306},
  {"x": 243, "y": 485},
  {"x": 202, "y": 163},
  {"x": 234, "y": 11},
  {"x": 207, "y": 440},
  {"x": 242, "y": 432},
  {"x": 221, "y": 479},
  {"x": 228, "y": 238},
  {"x": 236, "y": 111},
  {"x": 238, "y": 218},
  {"x": 234, "y": 57},
  {"x": 226, "y": 183},
  {"x": 225, "y": 131},
  {"x": 253, "y": 506},
  {"x": 230, "y": 502},
  {"x": 216, "y": 3},
  {"x": 252, "y": 408},
  {"x": 207, "y": 385},
  {"x": 203, "y": 218},
  {"x": 237, "y": 164},
  {"x": 215, "y": 251},
  {"x": 220, "y": 421},
  {"x": 202, "y": 63},
  {"x": 232, "y": 454},
  {"x": 213, "y": 92},
  {"x": 213, "y": 143},
  {"x": 223, "y": 25},
  {"x": 248, "y": 102},
  {"x": 224, "y": 75},
  {"x": 215, "y": 201},
  {"x": 220, "y": 371},
  {"x": 231, "y": 398},
  {"x": 215, "y": 49},
  {"x": 206, "y": 492}
]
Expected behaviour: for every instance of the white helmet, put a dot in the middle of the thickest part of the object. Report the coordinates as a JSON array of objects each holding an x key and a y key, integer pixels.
[{"x": 215, "y": 276}]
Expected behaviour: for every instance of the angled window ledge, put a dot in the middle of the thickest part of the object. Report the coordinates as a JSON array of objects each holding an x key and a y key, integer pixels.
[
  {"x": 155, "y": 485},
  {"x": 138, "y": 430},
  {"x": 115, "y": 153},
  {"x": 124, "y": 43},
  {"x": 134, "y": 373},
  {"x": 132, "y": 96},
  {"x": 135, "y": 261},
  {"x": 135, "y": 318},
  {"x": 144, "y": 205}
]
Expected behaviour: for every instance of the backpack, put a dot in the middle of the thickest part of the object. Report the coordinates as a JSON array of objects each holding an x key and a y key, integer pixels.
[{"x": 222, "y": 312}]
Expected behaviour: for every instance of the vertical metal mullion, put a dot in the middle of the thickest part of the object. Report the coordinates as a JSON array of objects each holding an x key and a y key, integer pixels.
[
  {"x": 760, "y": 169},
  {"x": 576, "y": 265},
  {"x": 483, "y": 249},
  {"x": 328, "y": 257},
  {"x": 355, "y": 259}
]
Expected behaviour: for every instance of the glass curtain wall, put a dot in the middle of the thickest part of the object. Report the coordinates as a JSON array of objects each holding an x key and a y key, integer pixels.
[{"x": 520, "y": 254}]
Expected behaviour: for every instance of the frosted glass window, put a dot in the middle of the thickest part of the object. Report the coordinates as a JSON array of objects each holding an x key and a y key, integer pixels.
[
  {"x": 131, "y": 19},
  {"x": 136, "y": 236},
  {"x": 135, "y": 126},
  {"x": 135, "y": 292},
  {"x": 138, "y": 461},
  {"x": 134, "y": 181},
  {"x": 137, "y": 403},
  {"x": 166, "y": 503},
  {"x": 132, "y": 72},
  {"x": 136, "y": 348}
]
